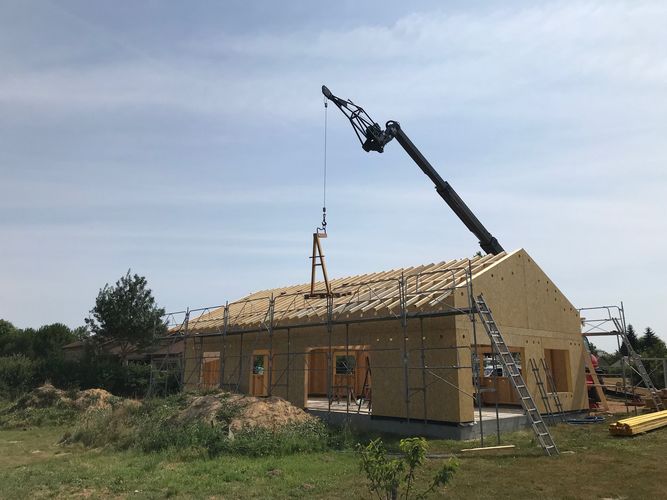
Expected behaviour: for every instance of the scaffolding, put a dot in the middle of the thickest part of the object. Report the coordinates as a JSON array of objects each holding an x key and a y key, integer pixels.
[
  {"x": 407, "y": 297},
  {"x": 609, "y": 321}
]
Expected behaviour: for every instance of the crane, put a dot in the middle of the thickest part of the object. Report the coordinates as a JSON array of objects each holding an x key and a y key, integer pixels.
[{"x": 373, "y": 138}]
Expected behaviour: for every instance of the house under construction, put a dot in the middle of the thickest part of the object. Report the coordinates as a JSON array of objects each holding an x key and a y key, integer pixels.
[{"x": 402, "y": 345}]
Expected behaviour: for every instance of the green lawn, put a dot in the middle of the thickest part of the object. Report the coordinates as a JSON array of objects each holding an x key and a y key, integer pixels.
[{"x": 593, "y": 465}]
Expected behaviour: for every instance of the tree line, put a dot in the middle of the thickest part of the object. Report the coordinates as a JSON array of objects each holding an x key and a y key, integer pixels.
[
  {"x": 647, "y": 345},
  {"x": 125, "y": 319}
]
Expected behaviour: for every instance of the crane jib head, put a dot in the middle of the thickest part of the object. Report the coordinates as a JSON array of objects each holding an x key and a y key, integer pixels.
[
  {"x": 336, "y": 100},
  {"x": 369, "y": 133}
]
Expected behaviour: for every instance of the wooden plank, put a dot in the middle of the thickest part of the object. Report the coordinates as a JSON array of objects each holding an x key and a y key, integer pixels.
[
  {"x": 596, "y": 381},
  {"x": 489, "y": 448}
]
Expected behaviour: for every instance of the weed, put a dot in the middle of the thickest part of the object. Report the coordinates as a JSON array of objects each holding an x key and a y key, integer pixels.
[{"x": 154, "y": 427}]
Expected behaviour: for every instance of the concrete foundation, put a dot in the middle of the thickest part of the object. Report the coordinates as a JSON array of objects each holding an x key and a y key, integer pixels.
[{"x": 509, "y": 420}]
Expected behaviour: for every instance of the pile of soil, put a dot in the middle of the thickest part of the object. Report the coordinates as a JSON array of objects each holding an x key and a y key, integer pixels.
[
  {"x": 95, "y": 399},
  {"x": 243, "y": 412},
  {"x": 44, "y": 397},
  {"x": 49, "y": 396},
  {"x": 235, "y": 411}
]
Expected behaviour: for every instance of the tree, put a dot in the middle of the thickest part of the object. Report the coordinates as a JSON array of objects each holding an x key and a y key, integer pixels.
[
  {"x": 49, "y": 339},
  {"x": 648, "y": 340},
  {"x": 14, "y": 340},
  {"x": 6, "y": 328},
  {"x": 592, "y": 348},
  {"x": 394, "y": 478},
  {"x": 632, "y": 337},
  {"x": 127, "y": 315}
]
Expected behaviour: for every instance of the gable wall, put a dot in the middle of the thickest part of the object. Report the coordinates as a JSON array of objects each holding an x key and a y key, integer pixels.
[{"x": 533, "y": 315}]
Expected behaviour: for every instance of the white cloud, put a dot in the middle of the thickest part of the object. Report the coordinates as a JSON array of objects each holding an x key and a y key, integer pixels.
[
  {"x": 549, "y": 120},
  {"x": 527, "y": 62}
]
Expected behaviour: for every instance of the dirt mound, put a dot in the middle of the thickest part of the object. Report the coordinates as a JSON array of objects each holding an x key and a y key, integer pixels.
[
  {"x": 44, "y": 397},
  {"x": 243, "y": 412},
  {"x": 268, "y": 413},
  {"x": 235, "y": 412},
  {"x": 48, "y": 396},
  {"x": 94, "y": 399}
]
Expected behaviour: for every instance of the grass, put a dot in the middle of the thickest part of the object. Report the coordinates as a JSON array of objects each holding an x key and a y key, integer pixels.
[
  {"x": 13, "y": 415},
  {"x": 153, "y": 427},
  {"x": 593, "y": 464}
]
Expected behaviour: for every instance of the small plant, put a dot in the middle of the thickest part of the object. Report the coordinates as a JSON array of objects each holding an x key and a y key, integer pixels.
[{"x": 391, "y": 479}]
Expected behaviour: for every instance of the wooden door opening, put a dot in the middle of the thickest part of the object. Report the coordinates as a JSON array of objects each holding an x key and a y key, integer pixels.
[
  {"x": 259, "y": 375},
  {"x": 348, "y": 373},
  {"x": 210, "y": 370},
  {"x": 498, "y": 389}
]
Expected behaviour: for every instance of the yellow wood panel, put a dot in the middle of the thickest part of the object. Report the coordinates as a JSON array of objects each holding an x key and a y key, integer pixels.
[
  {"x": 211, "y": 372},
  {"x": 532, "y": 313},
  {"x": 317, "y": 373}
]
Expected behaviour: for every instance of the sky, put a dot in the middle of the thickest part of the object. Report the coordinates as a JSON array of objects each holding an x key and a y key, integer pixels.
[{"x": 185, "y": 141}]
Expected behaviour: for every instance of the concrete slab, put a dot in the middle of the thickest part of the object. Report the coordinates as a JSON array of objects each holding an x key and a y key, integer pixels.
[{"x": 509, "y": 420}]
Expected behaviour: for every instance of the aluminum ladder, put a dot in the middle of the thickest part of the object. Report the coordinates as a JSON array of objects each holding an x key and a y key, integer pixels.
[
  {"x": 543, "y": 391},
  {"x": 547, "y": 391},
  {"x": 639, "y": 366},
  {"x": 509, "y": 365},
  {"x": 552, "y": 387}
]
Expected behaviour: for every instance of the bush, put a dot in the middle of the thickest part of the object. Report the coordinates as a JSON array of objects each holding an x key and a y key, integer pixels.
[
  {"x": 391, "y": 479},
  {"x": 18, "y": 375}
]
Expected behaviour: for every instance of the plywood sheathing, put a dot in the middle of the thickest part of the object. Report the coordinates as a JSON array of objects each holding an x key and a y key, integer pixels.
[{"x": 532, "y": 313}]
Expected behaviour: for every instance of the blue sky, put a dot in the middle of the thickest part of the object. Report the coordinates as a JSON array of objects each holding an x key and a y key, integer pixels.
[{"x": 184, "y": 140}]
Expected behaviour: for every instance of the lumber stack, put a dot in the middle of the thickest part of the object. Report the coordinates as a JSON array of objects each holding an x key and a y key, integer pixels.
[{"x": 639, "y": 424}]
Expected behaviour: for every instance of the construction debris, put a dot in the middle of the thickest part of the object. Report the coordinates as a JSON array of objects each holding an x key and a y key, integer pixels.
[{"x": 640, "y": 424}]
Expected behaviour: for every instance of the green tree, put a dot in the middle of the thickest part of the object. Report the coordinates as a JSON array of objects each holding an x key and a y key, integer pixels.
[
  {"x": 6, "y": 328},
  {"x": 127, "y": 315},
  {"x": 632, "y": 337},
  {"x": 592, "y": 347},
  {"x": 648, "y": 340},
  {"x": 14, "y": 340},
  {"x": 49, "y": 339},
  {"x": 393, "y": 478}
]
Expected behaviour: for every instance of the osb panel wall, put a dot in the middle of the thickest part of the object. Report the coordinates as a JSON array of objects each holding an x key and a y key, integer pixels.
[
  {"x": 533, "y": 315},
  {"x": 318, "y": 369},
  {"x": 385, "y": 340}
]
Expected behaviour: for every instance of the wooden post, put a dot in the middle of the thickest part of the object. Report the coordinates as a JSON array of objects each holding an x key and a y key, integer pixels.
[{"x": 596, "y": 381}]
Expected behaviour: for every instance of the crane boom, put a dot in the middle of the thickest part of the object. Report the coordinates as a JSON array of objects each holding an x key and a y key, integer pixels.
[{"x": 373, "y": 138}]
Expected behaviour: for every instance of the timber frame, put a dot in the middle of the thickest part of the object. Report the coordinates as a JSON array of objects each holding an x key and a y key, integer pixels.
[{"x": 416, "y": 324}]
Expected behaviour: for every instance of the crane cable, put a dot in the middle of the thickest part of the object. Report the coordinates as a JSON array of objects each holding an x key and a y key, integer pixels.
[{"x": 324, "y": 187}]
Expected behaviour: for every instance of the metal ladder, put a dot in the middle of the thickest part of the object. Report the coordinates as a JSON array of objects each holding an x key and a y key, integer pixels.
[
  {"x": 543, "y": 391},
  {"x": 548, "y": 391},
  {"x": 510, "y": 367},
  {"x": 552, "y": 386},
  {"x": 639, "y": 366}
]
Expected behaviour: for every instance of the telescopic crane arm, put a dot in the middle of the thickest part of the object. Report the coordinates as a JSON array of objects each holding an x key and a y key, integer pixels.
[{"x": 373, "y": 138}]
